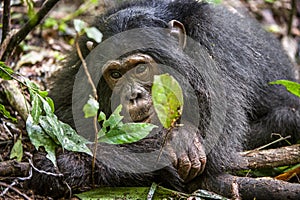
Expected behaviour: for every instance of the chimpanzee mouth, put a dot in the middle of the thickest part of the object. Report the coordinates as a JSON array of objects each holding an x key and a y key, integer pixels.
[
  {"x": 141, "y": 116},
  {"x": 146, "y": 119}
]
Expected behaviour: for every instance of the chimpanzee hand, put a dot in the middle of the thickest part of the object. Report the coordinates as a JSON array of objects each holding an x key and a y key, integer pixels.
[{"x": 186, "y": 152}]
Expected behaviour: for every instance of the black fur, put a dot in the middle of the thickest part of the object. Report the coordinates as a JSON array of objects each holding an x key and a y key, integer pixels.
[{"x": 245, "y": 57}]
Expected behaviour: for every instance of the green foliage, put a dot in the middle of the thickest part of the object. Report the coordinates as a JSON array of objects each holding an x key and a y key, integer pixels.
[
  {"x": 17, "y": 150},
  {"x": 291, "y": 86},
  {"x": 132, "y": 193},
  {"x": 92, "y": 32},
  {"x": 6, "y": 114},
  {"x": 5, "y": 71},
  {"x": 30, "y": 6},
  {"x": 153, "y": 193},
  {"x": 214, "y": 1},
  {"x": 31, "y": 12},
  {"x": 114, "y": 131},
  {"x": 56, "y": 24},
  {"x": 167, "y": 99},
  {"x": 45, "y": 130},
  {"x": 6, "y": 74},
  {"x": 43, "y": 127},
  {"x": 79, "y": 25},
  {"x": 91, "y": 108},
  {"x": 40, "y": 139},
  {"x": 270, "y": 1}
]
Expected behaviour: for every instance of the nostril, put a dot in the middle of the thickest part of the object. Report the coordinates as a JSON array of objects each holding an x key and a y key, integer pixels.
[{"x": 134, "y": 95}]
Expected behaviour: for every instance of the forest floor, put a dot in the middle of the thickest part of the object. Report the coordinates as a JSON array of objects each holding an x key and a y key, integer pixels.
[{"x": 44, "y": 49}]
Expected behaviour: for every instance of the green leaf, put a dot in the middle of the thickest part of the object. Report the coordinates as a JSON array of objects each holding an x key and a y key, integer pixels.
[
  {"x": 91, "y": 108},
  {"x": 291, "y": 86},
  {"x": 50, "y": 23},
  {"x": 64, "y": 134},
  {"x": 101, "y": 117},
  {"x": 95, "y": 2},
  {"x": 115, "y": 119},
  {"x": 43, "y": 93},
  {"x": 270, "y": 1},
  {"x": 79, "y": 25},
  {"x": 114, "y": 131},
  {"x": 127, "y": 133},
  {"x": 51, "y": 103},
  {"x": 6, "y": 114},
  {"x": 94, "y": 34},
  {"x": 214, "y": 1},
  {"x": 5, "y": 71},
  {"x": 40, "y": 139},
  {"x": 73, "y": 141},
  {"x": 32, "y": 87},
  {"x": 17, "y": 150},
  {"x": 47, "y": 108},
  {"x": 167, "y": 99},
  {"x": 36, "y": 109},
  {"x": 136, "y": 131},
  {"x": 50, "y": 126},
  {"x": 106, "y": 193}
]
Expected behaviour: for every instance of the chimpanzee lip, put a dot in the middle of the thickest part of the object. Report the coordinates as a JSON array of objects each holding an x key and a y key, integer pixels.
[{"x": 146, "y": 119}]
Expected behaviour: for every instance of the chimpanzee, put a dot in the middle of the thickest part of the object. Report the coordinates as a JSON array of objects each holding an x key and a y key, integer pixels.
[{"x": 223, "y": 61}]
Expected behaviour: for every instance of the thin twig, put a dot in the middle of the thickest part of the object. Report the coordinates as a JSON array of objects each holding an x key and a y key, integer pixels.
[
  {"x": 14, "y": 189},
  {"x": 42, "y": 171},
  {"x": 69, "y": 188},
  {"x": 86, "y": 70},
  {"x": 163, "y": 145},
  {"x": 95, "y": 122},
  {"x": 267, "y": 145}
]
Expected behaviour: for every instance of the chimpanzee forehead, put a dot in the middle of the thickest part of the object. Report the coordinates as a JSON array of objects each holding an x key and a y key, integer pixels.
[
  {"x": 139, "y": 17},
  {"x": 128, "y": 63}
]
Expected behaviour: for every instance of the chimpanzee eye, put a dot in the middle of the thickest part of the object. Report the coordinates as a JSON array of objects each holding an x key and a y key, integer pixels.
[
  {"x": 116, "y": 75},
  {"x": 141, "y": 68}
]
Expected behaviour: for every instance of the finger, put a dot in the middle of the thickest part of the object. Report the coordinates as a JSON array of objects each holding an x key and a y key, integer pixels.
[
  {"x": 184, "y": 166},
  {"x": 201, "y": 156},
  {"x": 196, "y": 165},
  {"x": 172, "y": 155}
]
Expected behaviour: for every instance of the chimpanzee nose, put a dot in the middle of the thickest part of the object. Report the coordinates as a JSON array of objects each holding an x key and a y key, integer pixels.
[{"x": 133, "y": 94}]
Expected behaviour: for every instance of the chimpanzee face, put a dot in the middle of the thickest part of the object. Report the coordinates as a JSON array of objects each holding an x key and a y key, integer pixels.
[{"x": 131, "y": 79}]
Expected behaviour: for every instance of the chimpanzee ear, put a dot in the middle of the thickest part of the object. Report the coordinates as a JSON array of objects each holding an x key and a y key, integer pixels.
[{"x": 177, "y": 30}]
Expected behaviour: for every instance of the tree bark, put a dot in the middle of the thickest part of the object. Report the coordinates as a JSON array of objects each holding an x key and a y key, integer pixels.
[{"x": 289, "y": 155}]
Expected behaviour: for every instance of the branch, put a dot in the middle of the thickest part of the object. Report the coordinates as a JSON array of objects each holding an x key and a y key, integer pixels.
[
  {"x": 249, "y": 188},
  {"x": 14, "y": 169},
  {"x": 29, "y": 26},
  {"x": 289, "y": 155},
  {"x": 5, "y": 20}
]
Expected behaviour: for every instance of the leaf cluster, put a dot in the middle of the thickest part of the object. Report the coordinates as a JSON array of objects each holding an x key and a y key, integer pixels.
[
  {"x": 114, "y": 131},
  {"x": 45, "y": 130}
]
